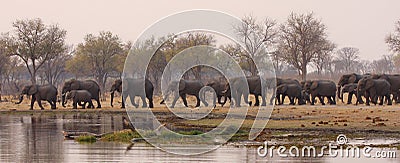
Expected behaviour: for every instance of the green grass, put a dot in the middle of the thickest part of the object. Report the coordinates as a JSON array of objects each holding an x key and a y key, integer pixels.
[
  {"x": 124, "y": 136},
  {"x": 193, "y": 132},
  {"x": 86, "y": 139}
]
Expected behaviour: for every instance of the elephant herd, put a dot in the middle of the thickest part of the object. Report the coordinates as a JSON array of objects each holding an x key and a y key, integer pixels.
[{"x": 373, "y": 87}]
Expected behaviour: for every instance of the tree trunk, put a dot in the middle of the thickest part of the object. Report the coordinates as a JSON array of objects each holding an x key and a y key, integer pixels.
[
  {"x": 33, "y": 77},
  {"x": 304, "y": 72}
]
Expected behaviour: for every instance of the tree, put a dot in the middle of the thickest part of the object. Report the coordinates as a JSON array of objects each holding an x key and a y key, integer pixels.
[
  {"x": 35, "y": 43},
  {"x": 54, "y": 68},
  {"x": 349, "y": 56},
  {"x": 99, "y": 54},
  {"x": 302, "y": 38},
  {"x": 393, "y": 39},
  {"x": 255, "y": 36},
  {"x": 323, "y": 59}
]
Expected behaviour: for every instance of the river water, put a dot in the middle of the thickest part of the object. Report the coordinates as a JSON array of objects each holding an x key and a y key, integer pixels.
[{"x": 39, "y": 137}]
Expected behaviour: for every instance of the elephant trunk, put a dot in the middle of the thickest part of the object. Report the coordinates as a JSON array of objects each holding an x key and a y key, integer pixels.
[
  {"x": 21, "y": 97},
  {"x": 112, "y": 98},
  {"x": 339, "y": 94},
  {"x": 63, "y": 99}
]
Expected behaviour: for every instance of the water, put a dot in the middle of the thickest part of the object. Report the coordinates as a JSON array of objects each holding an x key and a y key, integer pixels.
[{"x": 39, "y": 138}]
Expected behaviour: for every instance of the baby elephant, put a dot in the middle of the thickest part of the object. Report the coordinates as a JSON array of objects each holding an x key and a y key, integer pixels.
[{"x": 79, "y": 96}]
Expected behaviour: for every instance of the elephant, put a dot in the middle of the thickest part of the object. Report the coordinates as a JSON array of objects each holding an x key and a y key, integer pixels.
[
  {"x": 219, "y": 91},
  {"x": 280, "y": 81},
  {"x": 132, "y": 88},
  {"x": 374, "y": 89},
  {"x": 91, "y": 86},
  {"x": 347, "y": 79},
  {"x": 255, "y": 84},
  {"x": 79, "y": 96},
  {"x": 321, "y": 89},
  {"x": 394, "y": 81},
  {"x": 186, "y": 87},
  {"x": 39, "y": 93},
  {"x": 351, "y": 89},
  {"x": 293, "y": 91}
]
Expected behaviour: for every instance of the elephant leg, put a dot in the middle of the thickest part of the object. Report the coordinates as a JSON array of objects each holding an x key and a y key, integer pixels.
[
  {"x": 52, "y": 104},
  {"x": 349, "y": 98},
  {"x": 312, "y": 100},
  {"x": 197, "y": 101},
  {"x": 291, "y": 99},
  {"x": 219, "y": 100},
  {"x": 246, "y": 99},
  {"x": 174, "y": 101},
  {"x": 203, "y": 100},
  {"x": 183, "y": 97},
  {"x": 123, "y": 102},
  {"x": 151, "y": 105},
  {"x": 132, "y": 98},
  {"x": 91, "y": 103},
  {"x": 98, "y": 103},
  {"x": 144, "y": 105},
  {"x": 84, "y": 105},
  {"x": 40, "y": 103},
  {"x": 389, "y": 100},
  {"x": 367, "y": 99},
  {"x": 283, "y": 99},
  {"x": 271, "y": 100},
  {"x": 333, "y": 100},
  {"x": 75, "y": 104},
  {"x": 257, "y": 100},
  {"x": 33, "y": 99},
  {"x": 321, "y": 99}
]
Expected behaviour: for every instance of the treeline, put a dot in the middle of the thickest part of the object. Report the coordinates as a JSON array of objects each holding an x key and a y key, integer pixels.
[{"x": 34, "y": 52}]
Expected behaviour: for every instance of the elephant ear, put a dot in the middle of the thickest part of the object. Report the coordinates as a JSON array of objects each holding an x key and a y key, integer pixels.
[
  {"x": 369, "y": 83},
  {"x": 314, "y": 85},
  {"x": 352, "y": 78},
  {"x": 282, "y": 88},
  {"x": 182, "y": 85},
  {"x": 75, "y": 85},
  {"x": 32, "y": 90},
  {"x": 125, "y": 87}
]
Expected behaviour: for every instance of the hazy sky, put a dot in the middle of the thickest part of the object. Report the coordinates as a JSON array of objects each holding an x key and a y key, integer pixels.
[{"x": 358, "y": 23}]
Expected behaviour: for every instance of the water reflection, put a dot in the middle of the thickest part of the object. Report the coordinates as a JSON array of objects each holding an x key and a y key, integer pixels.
[{"x": 39, "y": 138}]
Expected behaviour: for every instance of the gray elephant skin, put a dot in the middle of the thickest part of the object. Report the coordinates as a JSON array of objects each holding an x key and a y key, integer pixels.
[
  {"x": 185, "y": 87},
  {"x": 351, "y": 89},
  {"x": 81, "y": 98},
  {"x": 374, "y": 89},
  {"x": 347, "y": 79},
  {"x": 293, "y": 91},
  {"x": 394, "y": 81},
  {"x": 237, "y": 87},
  {"x": 219, "y": 89},
  {"x": 321, "y": 89},
  {"x": 132, "y": 88},
  {"x": 40, "y": 93},
  {"x": 280, "y": 81},
  {"x": 91, "y": 86}
]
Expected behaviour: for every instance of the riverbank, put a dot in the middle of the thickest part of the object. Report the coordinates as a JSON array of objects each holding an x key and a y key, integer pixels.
[{"x": 309, "y": 125}]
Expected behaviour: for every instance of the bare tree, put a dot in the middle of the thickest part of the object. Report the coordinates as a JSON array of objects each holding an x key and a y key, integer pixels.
[
  {"x": 254, "y": 36},
  {"x": 393, "y": 39},
  {"x": 349, "y": 56},
  {"x": 302, "y": 38},
  {"x": 55, "y": 67},
  {"x": 35, "y": 43},
  {"x": 323, "y": 59},
  {"x": 99, "y": 53}
]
